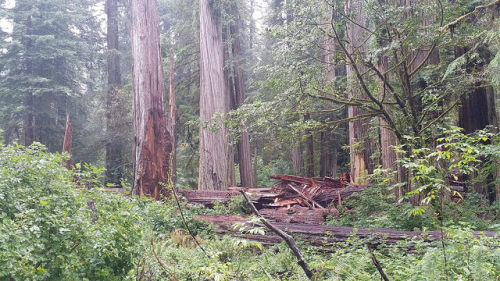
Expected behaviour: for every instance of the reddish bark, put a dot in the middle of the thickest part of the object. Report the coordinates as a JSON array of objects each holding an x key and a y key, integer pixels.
[
  {"x": 172, "y": 117},
  {"x": 114, "y": 147},
  {"x": 152, "y": 142},
  {"x": 360, "y": 143}
]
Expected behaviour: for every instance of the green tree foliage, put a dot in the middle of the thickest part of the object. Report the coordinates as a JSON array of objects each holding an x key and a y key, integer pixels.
[{"x": 52, "y": 57}]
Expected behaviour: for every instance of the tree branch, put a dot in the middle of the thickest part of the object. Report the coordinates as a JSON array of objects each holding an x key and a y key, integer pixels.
[
  {"x": 288, "y": 239},
  {"x": 454, "y": 23}
]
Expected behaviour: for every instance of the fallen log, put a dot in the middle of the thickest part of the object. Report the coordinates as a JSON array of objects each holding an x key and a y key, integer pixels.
[
  {"x": 321, "y": 235},
  {"x": 207, "y": 197},
  {"x": 297, "y": 214}
]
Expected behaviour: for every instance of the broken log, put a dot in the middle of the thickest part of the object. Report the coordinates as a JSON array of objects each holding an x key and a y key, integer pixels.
[{"x": 321, "y": 235}]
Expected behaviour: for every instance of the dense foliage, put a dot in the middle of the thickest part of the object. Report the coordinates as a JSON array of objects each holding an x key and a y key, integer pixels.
[{"x": 52, "y": 230}]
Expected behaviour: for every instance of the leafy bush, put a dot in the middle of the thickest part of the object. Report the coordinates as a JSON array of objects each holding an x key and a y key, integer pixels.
[{"x": 50, "y": 230}]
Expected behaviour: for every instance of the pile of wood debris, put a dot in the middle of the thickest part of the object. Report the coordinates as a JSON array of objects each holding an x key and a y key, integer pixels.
[
  {"x": 292, "y": 199},
  {"x": 311, "y": 192}
]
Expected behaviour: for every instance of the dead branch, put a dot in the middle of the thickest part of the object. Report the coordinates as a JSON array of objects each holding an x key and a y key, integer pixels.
[{"x": 288, "y": 239}]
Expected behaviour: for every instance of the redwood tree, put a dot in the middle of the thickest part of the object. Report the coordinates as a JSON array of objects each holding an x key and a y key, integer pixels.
[
  {"x": 216, "y": 157},
  {"x": 114, "y": 169},
  {"x": 237, "y": 91},
  {"x": 359, "y": 140},
  {"x": 153, "y": 144}
]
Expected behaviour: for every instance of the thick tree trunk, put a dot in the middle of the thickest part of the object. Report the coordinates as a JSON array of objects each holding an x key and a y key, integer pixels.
[
  {"x": 29, "y": 118},
  {"x": 172, "y": 117},
  {"x": 238, "y": 92},
  {"x": 215, "y": 150},
  {"x": 114, "y": 148},
  {"x": 361, "y": 147},
  {"x": 478, "y": 110},
  {"x": 152, "y": 141}
]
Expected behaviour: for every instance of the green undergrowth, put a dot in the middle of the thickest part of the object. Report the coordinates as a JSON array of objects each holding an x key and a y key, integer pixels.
[
  {"x": 51, "y": 230},
  {"x": 376, "y": 207},
  {"x": 468, "y": 258}
]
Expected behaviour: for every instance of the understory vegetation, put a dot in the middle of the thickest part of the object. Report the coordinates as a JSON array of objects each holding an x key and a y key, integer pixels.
[{"x": 57, "y": 224}]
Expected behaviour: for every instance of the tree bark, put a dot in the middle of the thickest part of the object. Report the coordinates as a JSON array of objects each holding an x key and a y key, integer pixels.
[
  {"x": 387, "y": 137},
  {"x": 29, "y": 127},
  {"x": 114, "y": 147},
  {"x": 328, "y": 147},
  {"x": 309, "y": 153},
  {"x": 215, "y": 150},
  {"x": 296, "y": 157},
  {"x": 172, "y": 117},
  {"x": 68, "y": 143},
  {"x": 152, "y": 142},
  {"x": 478, "y": 110},
  {"x": 238, "y": 92},
  {"x": 361, "y": 146}
]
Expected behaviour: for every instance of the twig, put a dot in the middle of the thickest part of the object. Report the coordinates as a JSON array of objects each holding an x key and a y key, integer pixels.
[
  {"x": 377, "y": 265},
  {"x": 185, "y": 222},
  {"x": 95, "y": 215},
  {"x": 288, "y": 239},
  {"x": 165, "y": 270}
]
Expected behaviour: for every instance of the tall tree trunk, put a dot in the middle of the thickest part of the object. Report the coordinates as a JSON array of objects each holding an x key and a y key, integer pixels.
[
  {"x": 29, "y": 118},
  {"x": 172, "y": 117},
  {"x": 387, "y": 137},
  {"x": 67, "y": 143},
  {"x": 309, "y": 153},
  {"x": 478, "y": 110},
  {"x": 361, "y": 147},
  {"x": 238, "y": 93},
  {"x": 215, "y": 150},
  {"x": 152, "y": 142},
  {"x": 296, "y": 157},
  {"x": 328, "y": 147},
  {"x": 114, "y": 147}
]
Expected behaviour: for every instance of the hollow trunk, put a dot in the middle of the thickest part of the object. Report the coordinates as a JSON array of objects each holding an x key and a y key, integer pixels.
[
  {"x": 215, "y": 150},
  {"x": 114, "y": 147},
  {"x": 152, "y": 142},
  {"x": 361, "y": 146}
]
